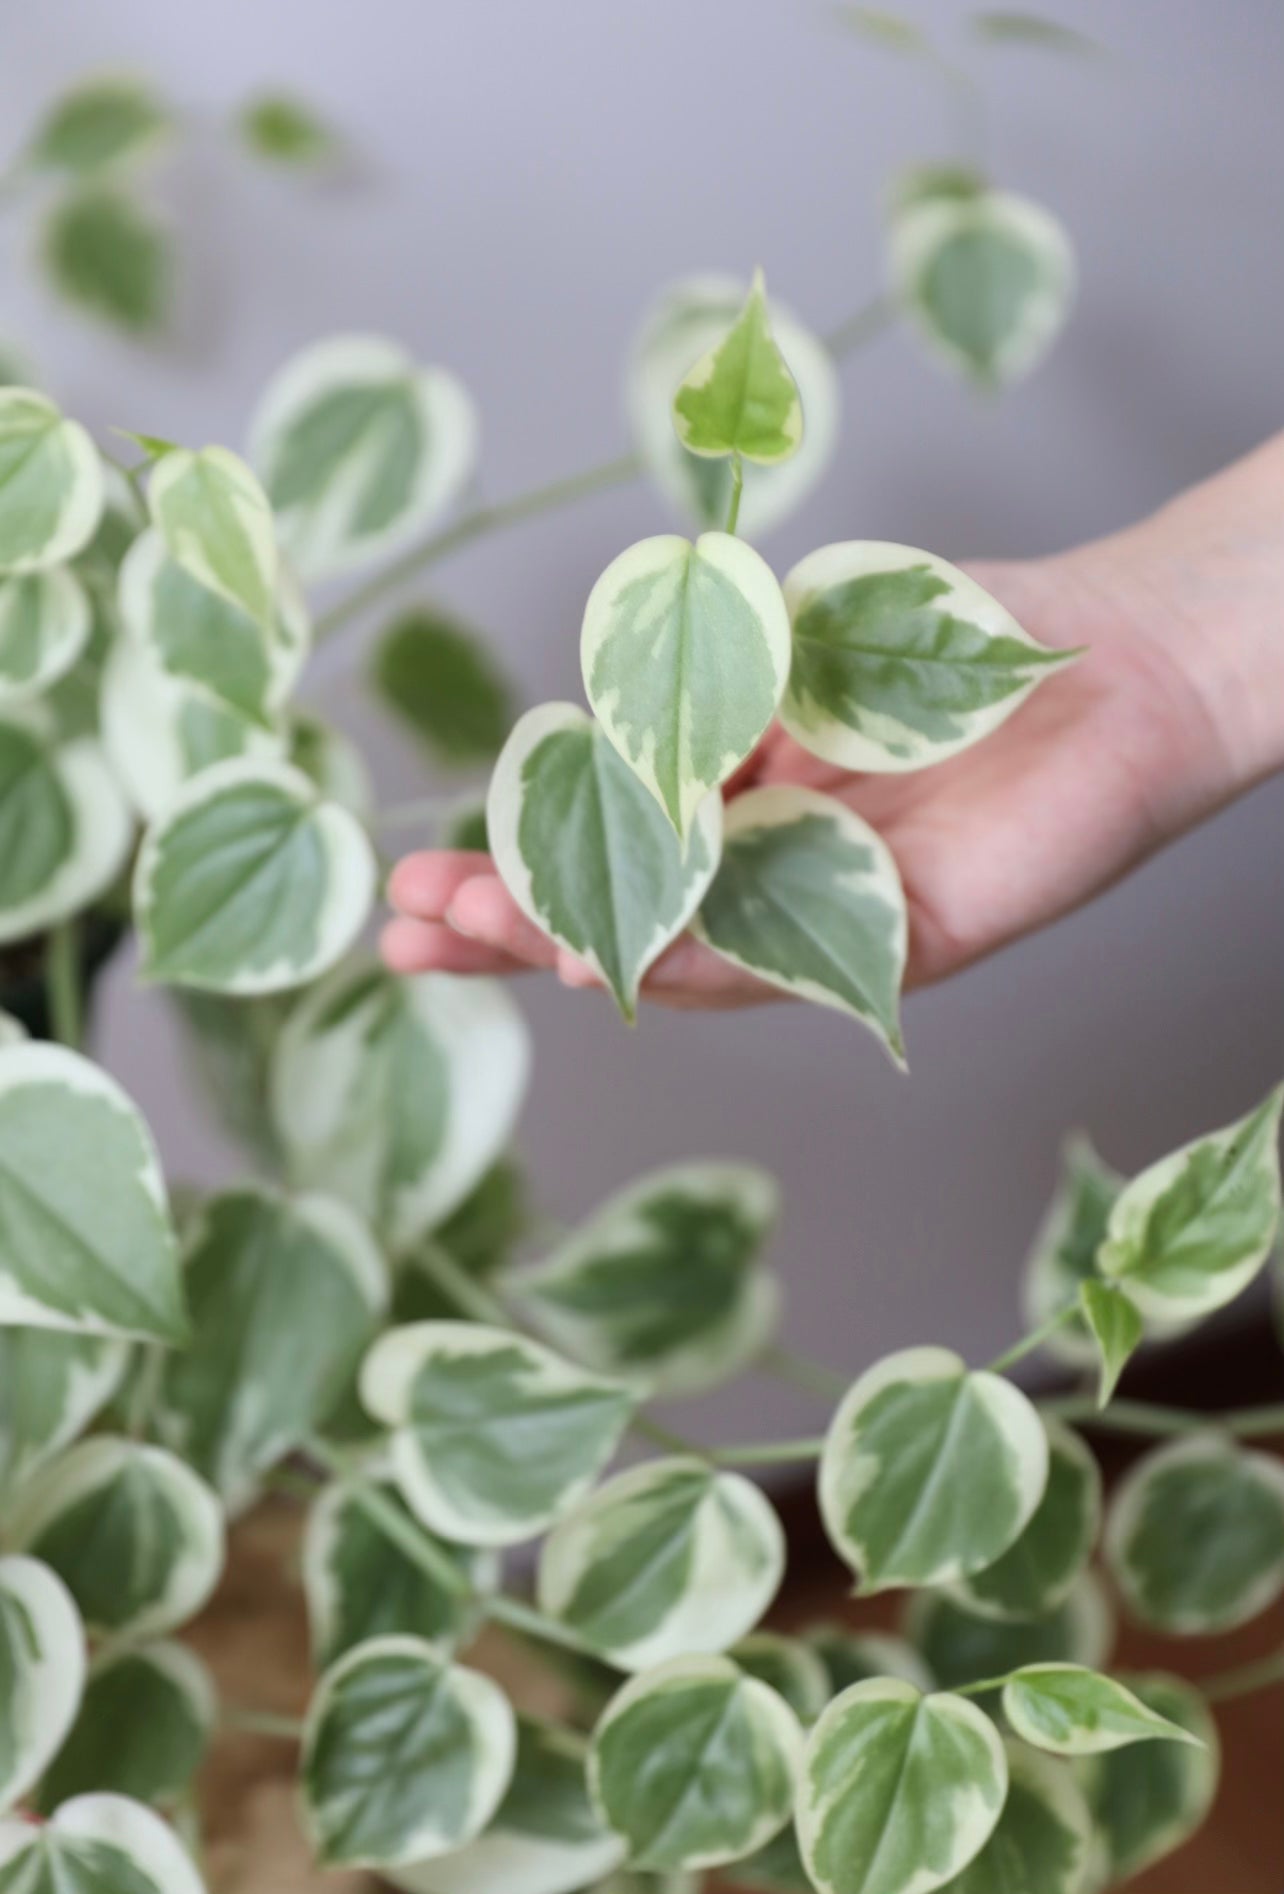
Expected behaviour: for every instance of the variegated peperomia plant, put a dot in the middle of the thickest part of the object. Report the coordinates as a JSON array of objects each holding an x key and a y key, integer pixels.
[{"x": 375, "y": 1323}]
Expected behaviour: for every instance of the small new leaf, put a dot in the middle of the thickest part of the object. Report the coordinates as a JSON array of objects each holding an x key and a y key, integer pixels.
[
  {"x": 1073, "y": 1711},
  {"x": 216, "y": 521},
  {"x": 740, "y": 397},
  {"x": 1117, "y": 1327},
  {"x": 287, "y": 131},
  {"x": 109, "y": 256}
]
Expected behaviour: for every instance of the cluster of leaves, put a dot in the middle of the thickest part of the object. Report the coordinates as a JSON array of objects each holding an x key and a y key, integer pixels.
[{"x": 104, "y": 246}]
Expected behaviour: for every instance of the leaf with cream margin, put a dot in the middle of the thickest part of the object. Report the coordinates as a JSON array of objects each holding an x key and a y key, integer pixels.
[
  {"x": 51, "y": 484},
  {"x": 216, "y": 523},
  {"x": 42, "y": 1671},
  {"x": 740, "y": 397},
  {"x": 685, "y": 652},
  {"x": 808, "y": 898},
  {"x": 96, "y": 1844},
  {"x": 586, "y": 852},
  {"x": 65, "y": 830},
  {"x": 900, "y": 660},
  {"x": 45, "y": 623},
  {"x": 1041, "y": 1568},
  {"x": 1074, "y": 1711},
  {"x": 1149, "y": 1798},
  {"x": 52, "y": 1383},
  {"x": 1063, "y": 1255},
  {"x": 1044, "y": 1838},
  {"x": 142, "y": 1730}
]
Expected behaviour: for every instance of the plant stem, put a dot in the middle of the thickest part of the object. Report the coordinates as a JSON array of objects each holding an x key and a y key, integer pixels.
[
  {"x": 261, "y": 1723},
  {"x": 862, "y": 326},
  {"x": 398, "y": 1526},
  {"x": 665, "y": 1437},
  {"x": 519, "y": 1616},
  {"x": 737, "y": 490},
  {"x": 769, "y": 1452},
  {"x": 813, "y": 1377},
  {"x": 1262, "y": 1674},
  {"x": 292, "y": 1484},
  {"x": 485, "y": 519},
  {"x": 1139, "y": 1417},
  {"x": 981, "y": 1687},
  {"x": 62, "y": 976},
  {"x": 1029, "y": 1343},
  {"x": 472, "y": 1297}
]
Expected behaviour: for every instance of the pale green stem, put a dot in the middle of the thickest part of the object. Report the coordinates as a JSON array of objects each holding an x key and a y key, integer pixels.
[
  {"x": 982, "y": 1685},
  {"x": 475, "y": 525},
  {"x": 261, "y": 1723},
  {"x": 1139, "y": 1417},
  {"x": 1250, "y": 1421},
  {"x": 863, "y": 325},
  {"x": 769, "y": 1452},
  {"x": 1262, "y": 1674},
  {"x": 292, "y": 1484},
  {"x": 664, "y": 1437},
  {"x": 813, "y": 1377},
  {"x": 62, "y": 977},
  {"x": 397, "y": 1526},
  {"x": 737, "y": 490},
  {"x": 1031, "y": 1342},
  {"x": 517, "y": 1615},
  {"x": 476, "y": 1301}
]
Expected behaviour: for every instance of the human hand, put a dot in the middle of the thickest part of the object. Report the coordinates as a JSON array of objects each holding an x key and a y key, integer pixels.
[{"x": 1177, "y": 705}]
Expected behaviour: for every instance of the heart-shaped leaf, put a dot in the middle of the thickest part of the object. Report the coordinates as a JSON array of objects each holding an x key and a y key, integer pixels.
[
  {"x": 216, "y": 523},
  {"x": 1195, "y": 1535},
  {"x": 1190, "y": 1233},
  {"x": 405, "y": 1756},
  {"x": 740, "y": 397},
  {"x": 665, "y": 1282},
  {"x": 899, "y": 659},
  {"x": 670, "y": 1559},
  {"x": 249, "y": 883},
  {"x": 694, "y": 1764},
  {"x": 1044, "y": 1838},
  {"x": 929, "y": 1472},
  {"x": 899, "y": 1791},
  {"x": 85, "y": 1236},
  {"x": 360, "y": 449},
  {"x": 494, "y": 1436},
  {"x": 685, "y": 652},
  {"x": 51, "y": 484},
  {"x": 42, "y": 1670},
  {"x": 584, "y": 850},
  {"x": 1074, "y": 1711},
  {"x": 96, "y": 1844},
  {"x": 398, "y": 1094},
  {"x": 135, "y": 1536},
  {"x": 807, "y": 898}
]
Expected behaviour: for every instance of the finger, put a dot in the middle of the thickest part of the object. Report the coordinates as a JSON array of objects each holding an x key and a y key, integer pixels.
[
  {"x": 425, "y": 884},
  {"x": 432, "y": 947},
  {"x": 574, "y": 972},
  {"x": 689, "y": 975},
  {"x": 482, "y": 909}
]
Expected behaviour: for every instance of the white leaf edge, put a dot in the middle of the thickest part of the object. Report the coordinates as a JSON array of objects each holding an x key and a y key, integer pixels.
[
  {"x": 102, "y": 828},
  {"x": 117, "y": 1822},
  {"x": 65, "y": 602},
  {"x": 56, "y": 1672},
  {"x": 83, "y": 503}
]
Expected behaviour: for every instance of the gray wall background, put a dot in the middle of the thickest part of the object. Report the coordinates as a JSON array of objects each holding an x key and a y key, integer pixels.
[{"x": 531, "y": 175}]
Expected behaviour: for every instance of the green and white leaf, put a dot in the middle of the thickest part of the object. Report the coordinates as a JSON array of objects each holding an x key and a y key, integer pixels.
[
  {"x": 929, "y": 1472},
  {"x": 250, "y": 883},
  {"x": 1074, "y": 1711},
  {"x": 987, "y": 279},
  {"x": 42, "y": 1671},
  {"x": 200, "y": 637},
  {"x": 689, "y": 319},
  {"x": 1151, "y": 1797},
  {"x": 963, "y": 1646},
  {"x": 398, "y": 1095},
  {"x": 216, "y": 523},
  {"x": 96, "y": 1844},
  {"x": 360, "y": 449},
  {"x": 1116, "y": 1325},
  {"x": 685, "y": 653},
  {"x": 134, "y": 1534},
  {"x": 585, "y": 851},
  {"x": 283, "y": 130},
  {"x": 106, "y": 121},
  {"x": 85, "y": 1236},
  {"x": 545, "y": 1837},
  {"x": 899, "y": 659},
  {"x": 160, "y": 731},
  {"x": 359, "y": 1583},
  {"x": 51, "y": 484},
  {"x": 853, "y": 1657},
  {"x": 1040, "y": 1570},
  {"x": 1191, "y": 1232},
  {"x": 285, "y": 1295},
  {"x": 405, "y": 1756},
  {"x": 494, "y": 1437},
  {"x": 694, "y": 1764},
  {"x": 45, "y": 623},
  {"x": 51, "y": 1385},
  {"x": 1063, "y": 1255},
  {"x": 740, "y": 397},
  {"x": 439, "y": 678},
  {"x": 670, "y": 1559},
  {"x": 665, "y": 1283},
  {"x": 65, "y": 831},
  {"x": 142, "y": 1730},
  {"x": 808, "y": 898},
  {"x": 1044, "y": 1839},
  {"x": 108, "y": 254},
  {"x": 793, "y": 1669},
  {"x": 1195, "y": 1535},
  {"x": 899, "y": 1791}
]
